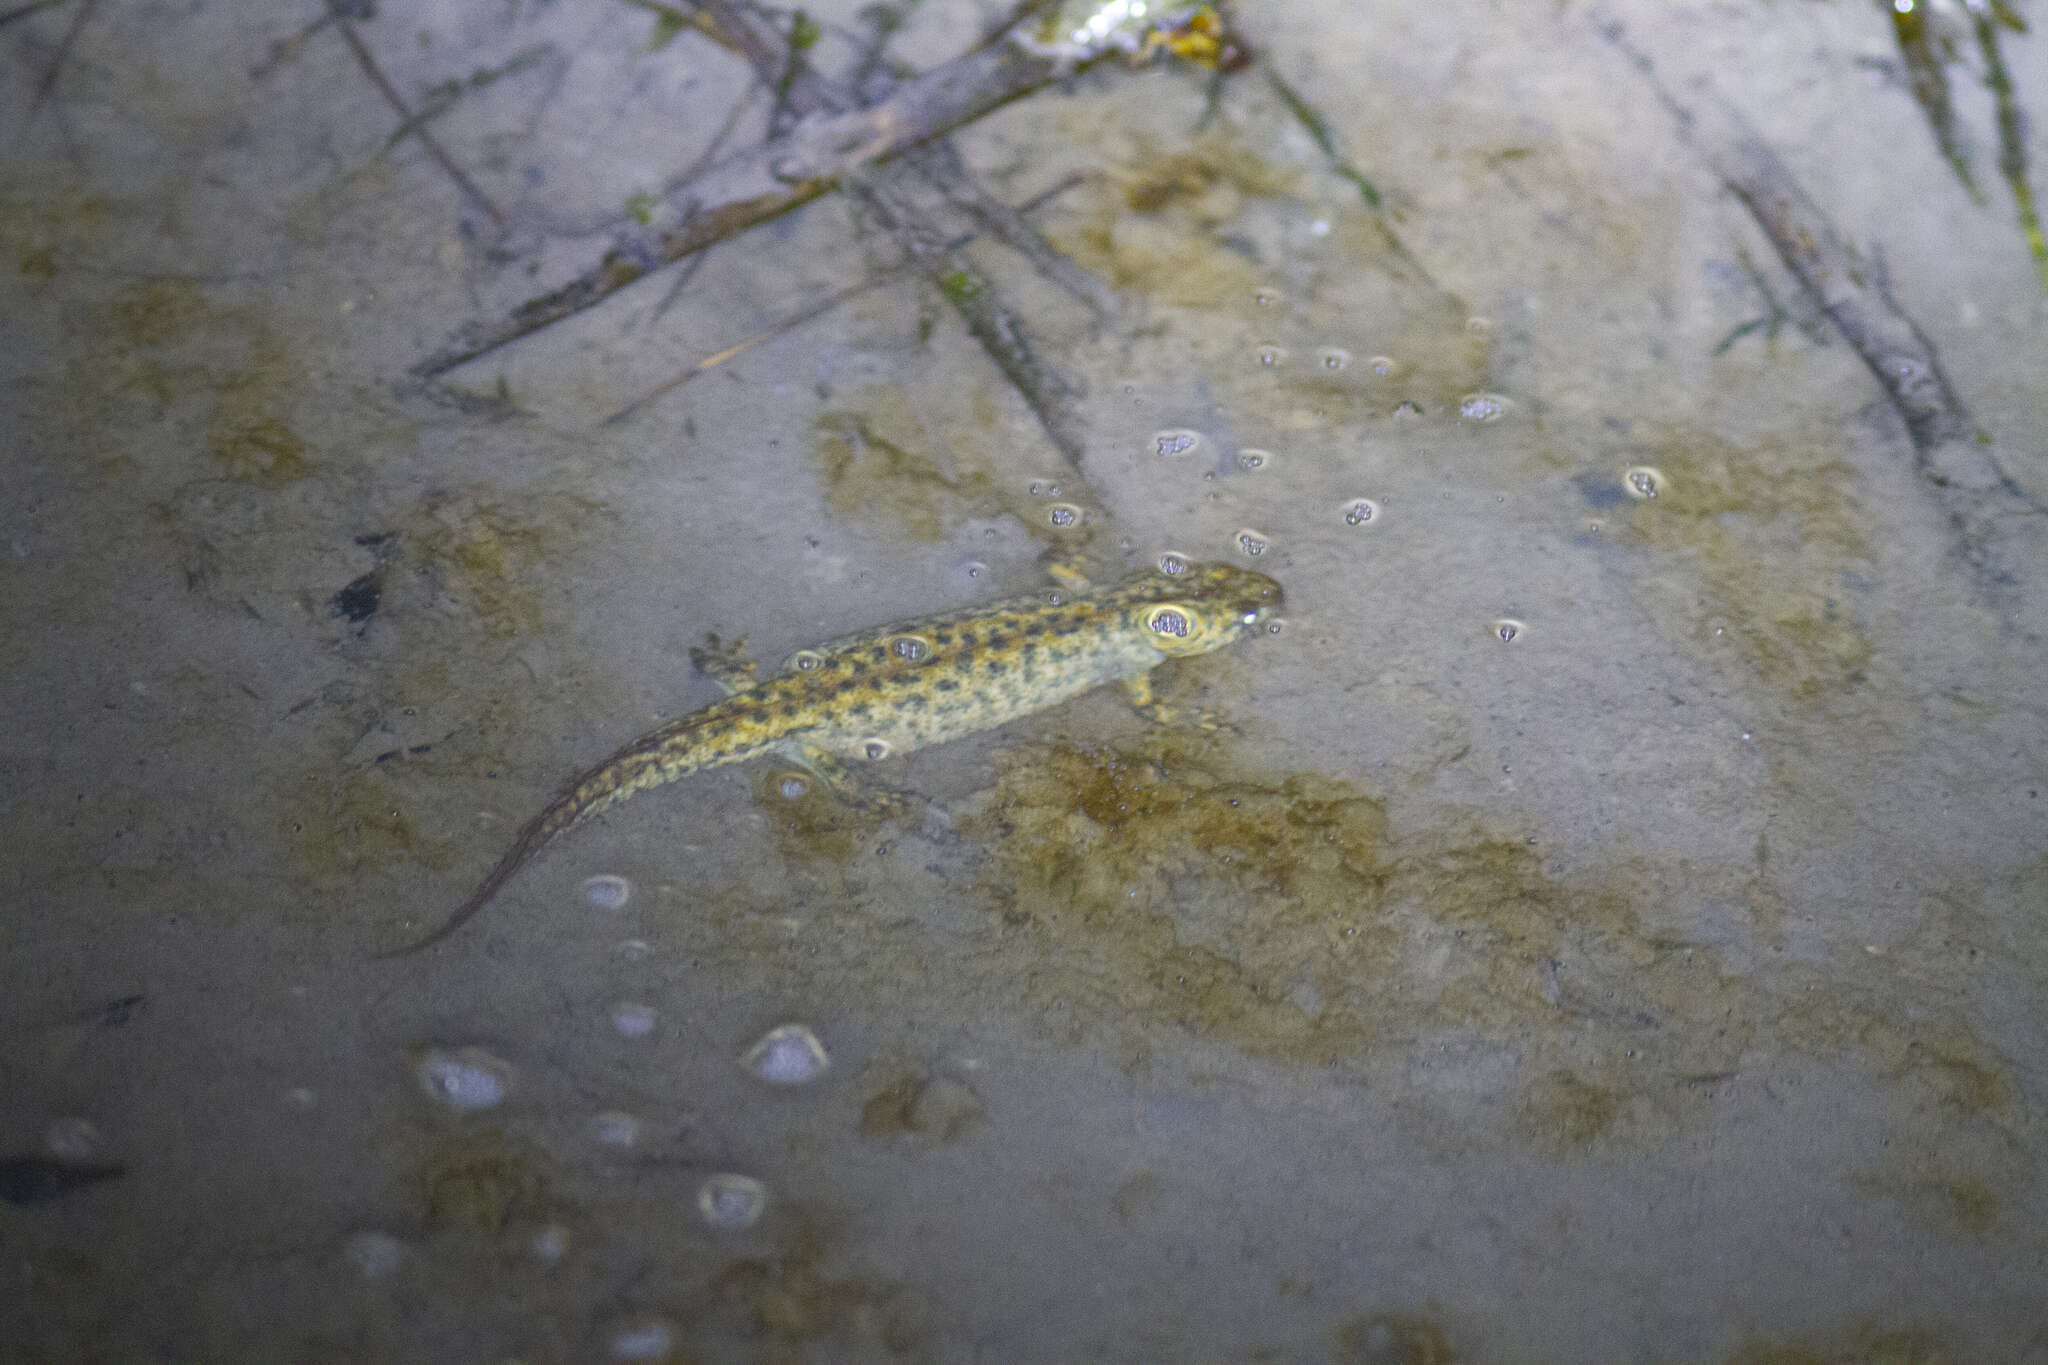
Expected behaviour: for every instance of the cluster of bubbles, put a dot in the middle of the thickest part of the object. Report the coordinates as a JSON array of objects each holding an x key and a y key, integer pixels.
[
  {"x": 469, "y": 1080},
  {"x": 1645, "y": 481}
]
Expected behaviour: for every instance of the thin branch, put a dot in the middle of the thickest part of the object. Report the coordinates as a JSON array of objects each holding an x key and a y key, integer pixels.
[
  {"x": 811, "y": 312},
  {"x": 940, "y": 165},
  {"x": 2012, "y": 139},
  {"x": 1318, "y": 129},
  {"x": 469, "y": 187},
  {"x": 24, "y": 11},
  {"x": 761, "y": 183},
  {"x": 1957, "y": 463},
  {"x": 884, "y": 198},
  {"x": 64, "y": 46}
]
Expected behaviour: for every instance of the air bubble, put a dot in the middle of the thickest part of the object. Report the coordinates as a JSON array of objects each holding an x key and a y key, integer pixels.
[
  {"x": 615, "y": 1129},
  {"x": 1271, "y": 356},
  {"x": 648, "y": 1339},
  {"x": 1507, "y": 630},
  {"x": 1479, "y": 327},
  {"x": 874, "y": 748},
  {"x": 1173, "y": 563},
  {"x": 465, "y": 1080},
  {"x": 975, "y": 568},
  {"x": 788, "y": 1054},
  {"x": 791, "y": 786},
  {"x": 731, "y": 1201},
  {"x": 1254, "y": 459},
  {"x": 1168, "y": 621},
  {"x": 1269, "y": 298},
  {"x": 1381, "y": 365},
  {"x": 1407, "y": 410},
  {"x": 1482, "y": 407},
  {"x": 910, "y": 647},
  {"x": 549, "y": 1245},
  {"x": 375, "y": 1255},
  {"x": 1645, "y": 481},
  {"x": 1253, "y": 543},
  {"x": 1065, "y": 515},
  {"x": 633, "y": 1020},
  {"x": 1334, "y": 357},
  {"x": 1176, "y": 441},
  {"x": 1361, "y": 512},
  {"x": 807, "y": 661},
  {"x": 73, "y": 1139},
  {"x": 607, "y": 892}
]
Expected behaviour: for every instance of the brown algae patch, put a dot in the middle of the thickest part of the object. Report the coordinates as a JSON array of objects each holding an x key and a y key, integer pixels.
[
  {"x": 1154, "y": 888},
  {"x": 1156, "y": 229},
  {"x": 905, "y": 1101},
  {"x": 877, "y": 459},
  {"x": 480, "y": 1184},
  {"x": 1392, "y": 1339},
  {"x": 784, "y": 1301},
  {"x": 1772, "y": 534},
  {"x": 1865, "y": 1345}
]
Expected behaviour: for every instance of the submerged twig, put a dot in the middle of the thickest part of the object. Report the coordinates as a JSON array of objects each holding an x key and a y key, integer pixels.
[
  {"x": 808, "y": 313},
  {"x": 882, "y": 194},
  {"x": 1927, "y": 76},
  {"x": 2012, "y": 134},
  {"x": 752, "y": 186},
  {"x": 406, "y": 117},
  {"x": 941, "y": 165},
  {"x": 1318, "y": 129},
  {"x": 63, "y": 53},
  {"x": 24, "y": 11},
  {"x": 1949, "y": 454}
]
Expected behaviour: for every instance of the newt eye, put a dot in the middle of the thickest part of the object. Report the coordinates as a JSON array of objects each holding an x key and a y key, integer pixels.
[
  {"x": 909, "y": 647},
  {"x": 1168, "y": 621}
]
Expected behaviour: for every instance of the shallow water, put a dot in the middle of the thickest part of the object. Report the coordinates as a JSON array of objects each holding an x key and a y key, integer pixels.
[{"x": 1605, "y": 921}]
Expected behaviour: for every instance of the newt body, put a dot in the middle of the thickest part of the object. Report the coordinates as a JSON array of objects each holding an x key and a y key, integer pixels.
[{"x": 903, "y": 687}]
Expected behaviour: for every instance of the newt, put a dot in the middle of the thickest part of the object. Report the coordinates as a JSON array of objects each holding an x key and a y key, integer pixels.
[{"x": 902, "y": 687}]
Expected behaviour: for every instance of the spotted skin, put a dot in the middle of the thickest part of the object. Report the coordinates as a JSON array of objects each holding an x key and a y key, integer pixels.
[{"x": 903, "y": 687}]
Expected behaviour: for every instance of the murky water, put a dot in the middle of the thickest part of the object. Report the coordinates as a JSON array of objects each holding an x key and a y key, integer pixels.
[{"x": 1604, "y": 920}]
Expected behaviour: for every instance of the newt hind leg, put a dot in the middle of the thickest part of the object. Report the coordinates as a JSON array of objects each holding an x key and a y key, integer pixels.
[{"x": 726, "y": 664}]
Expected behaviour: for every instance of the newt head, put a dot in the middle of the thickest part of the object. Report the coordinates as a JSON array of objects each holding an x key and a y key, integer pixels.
[{"x": 1204, "y": 607}]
